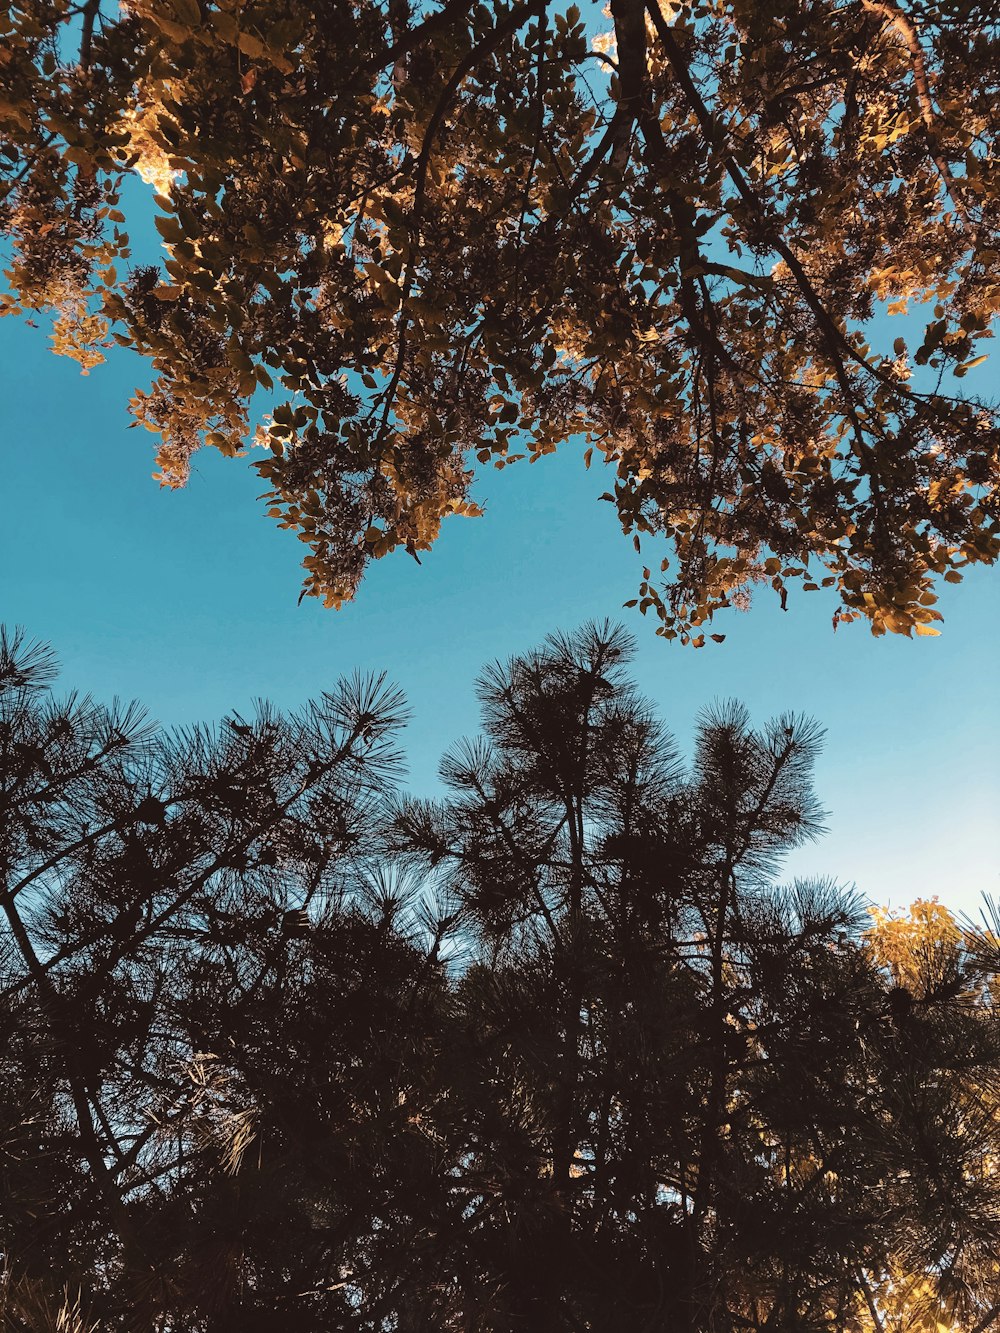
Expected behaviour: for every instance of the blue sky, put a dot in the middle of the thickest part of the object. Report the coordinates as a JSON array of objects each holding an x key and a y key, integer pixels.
[{"x": 187, "y": 601}]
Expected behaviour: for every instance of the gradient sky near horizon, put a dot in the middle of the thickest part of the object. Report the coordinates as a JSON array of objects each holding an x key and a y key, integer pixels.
[{"x": 187, "y": 601}]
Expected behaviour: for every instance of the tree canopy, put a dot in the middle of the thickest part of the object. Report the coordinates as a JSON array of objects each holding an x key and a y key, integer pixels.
[
  {"x": 284, "y": 1048},
  {"x": 436, "y": 238}
]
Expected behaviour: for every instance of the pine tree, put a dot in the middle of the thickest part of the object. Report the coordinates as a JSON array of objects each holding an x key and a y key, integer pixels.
[
  {"x": 283, "y": 1048},
  {"x": 145, "y": 876},
  {"x": 697, "y": 1108}
]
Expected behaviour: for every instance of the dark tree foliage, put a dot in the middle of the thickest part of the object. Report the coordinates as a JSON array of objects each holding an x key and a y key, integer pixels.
[
  {"x": 282, "y": 1049},
  {"x": 445, "y": 236}
]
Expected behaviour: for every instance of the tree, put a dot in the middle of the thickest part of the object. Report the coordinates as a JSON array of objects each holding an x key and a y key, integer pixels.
[
  {"x": 705, "y": 1105},
  {"x": 437, "y": 237},
  {"x": 553, "y": 1052},
  {"x": 932, "y": 958},
  {"x": 145, "y": 879}
]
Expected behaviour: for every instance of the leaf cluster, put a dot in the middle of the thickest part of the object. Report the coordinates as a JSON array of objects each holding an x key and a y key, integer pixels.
[{"x": 439, "y": 239}]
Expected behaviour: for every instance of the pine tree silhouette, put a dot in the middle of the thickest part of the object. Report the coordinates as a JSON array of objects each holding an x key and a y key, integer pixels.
[{"x": 285, "y": 1049}]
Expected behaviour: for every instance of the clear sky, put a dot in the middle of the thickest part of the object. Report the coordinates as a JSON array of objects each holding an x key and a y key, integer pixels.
[{"x": 187, "y": 601}]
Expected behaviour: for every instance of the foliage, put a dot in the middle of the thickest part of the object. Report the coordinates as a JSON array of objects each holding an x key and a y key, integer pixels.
[
  {"x": 147, "y": 878},
  {"x": 438, "y": 237},
  {"x": 283, "y": 1049}
]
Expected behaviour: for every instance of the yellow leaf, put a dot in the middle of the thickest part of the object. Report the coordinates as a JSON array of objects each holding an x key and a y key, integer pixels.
[
  {"x": 225, "y": 25},
  {"x": 180, "y": 32},
  {"x": 927, "y": 630},
  {"x": 251, "y": 46},
  {"x": 970, "y": 365},
  {"x": 189, "y": 11},
  {"x": 170, "y": 229}
]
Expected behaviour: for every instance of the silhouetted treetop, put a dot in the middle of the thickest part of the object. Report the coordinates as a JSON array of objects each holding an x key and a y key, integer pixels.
[{"x": 280, "y": 1048}]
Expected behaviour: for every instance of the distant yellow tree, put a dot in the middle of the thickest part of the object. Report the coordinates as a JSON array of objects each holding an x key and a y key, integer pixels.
[
  {"x": 926, "y": 952},
  {"x": 920, "y": 948}
]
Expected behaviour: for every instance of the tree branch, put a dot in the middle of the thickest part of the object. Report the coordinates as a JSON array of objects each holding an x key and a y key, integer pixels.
[{"x": 904, "y": 26}]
